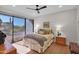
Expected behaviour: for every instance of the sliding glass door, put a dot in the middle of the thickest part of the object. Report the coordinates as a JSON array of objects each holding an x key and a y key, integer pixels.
[
  {"x": 18, "y": 28},
  {"x": 6, "y": 27},
  {"x": 15, "y": 28}
]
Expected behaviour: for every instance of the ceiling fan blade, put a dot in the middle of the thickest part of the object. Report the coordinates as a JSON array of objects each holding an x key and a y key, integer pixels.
[
  {"x": 30, "y": 8},
  {"x": 43, "y": 7}
]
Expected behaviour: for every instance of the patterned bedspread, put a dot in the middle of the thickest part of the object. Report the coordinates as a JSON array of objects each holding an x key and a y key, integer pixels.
[{"x": 39, "y": 38}]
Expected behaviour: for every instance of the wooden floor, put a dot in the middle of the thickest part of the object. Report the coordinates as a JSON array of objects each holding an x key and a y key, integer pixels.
[{"x": 55, "y": 49}]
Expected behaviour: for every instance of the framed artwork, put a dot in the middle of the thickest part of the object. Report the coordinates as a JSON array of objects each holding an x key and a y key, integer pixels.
[{"x": 46, "y": 25}]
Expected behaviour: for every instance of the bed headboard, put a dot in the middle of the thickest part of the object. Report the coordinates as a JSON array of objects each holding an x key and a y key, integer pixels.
[{"x": 45, "y": 31}]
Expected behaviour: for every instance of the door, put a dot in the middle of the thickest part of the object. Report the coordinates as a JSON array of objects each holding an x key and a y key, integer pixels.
[
  {"x": 18, "y": 28},
  {"x": 6, "y": 27}
]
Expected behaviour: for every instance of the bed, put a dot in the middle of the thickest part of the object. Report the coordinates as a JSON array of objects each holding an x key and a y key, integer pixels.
[
  {"x": 40, "y": 41},
  {"x": 37, "y": 42}
]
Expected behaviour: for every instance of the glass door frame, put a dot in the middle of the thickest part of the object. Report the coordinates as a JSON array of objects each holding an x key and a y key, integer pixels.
[
  {"x": 13, "y": 27},
  {"x": 13, "y": 24}
]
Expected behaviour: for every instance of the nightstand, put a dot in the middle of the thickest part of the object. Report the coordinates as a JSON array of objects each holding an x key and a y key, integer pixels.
[{"x": 61, "y": 40}]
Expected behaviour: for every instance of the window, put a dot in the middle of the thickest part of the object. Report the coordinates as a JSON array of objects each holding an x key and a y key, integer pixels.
[
  {"x": 15, "y": 28},
  {"x": 6, "y": 27},
  {"x": 19, "y": 28}
]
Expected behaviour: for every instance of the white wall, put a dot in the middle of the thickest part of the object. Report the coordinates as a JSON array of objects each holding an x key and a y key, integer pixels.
[
  {"x": 65, "y": 18},
  {"x": 78, "y": 25}
]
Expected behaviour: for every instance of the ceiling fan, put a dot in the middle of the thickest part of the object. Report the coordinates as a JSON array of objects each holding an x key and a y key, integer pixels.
[{"x": 37, "y": 8}]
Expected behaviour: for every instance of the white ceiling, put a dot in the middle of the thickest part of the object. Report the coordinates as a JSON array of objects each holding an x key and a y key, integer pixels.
[{"x": 22, "y": 11}]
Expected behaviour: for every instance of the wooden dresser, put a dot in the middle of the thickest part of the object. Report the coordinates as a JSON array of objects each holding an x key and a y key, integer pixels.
[
  {"x": 61, "y": 40},
  {"x": 7, "y": 49}
]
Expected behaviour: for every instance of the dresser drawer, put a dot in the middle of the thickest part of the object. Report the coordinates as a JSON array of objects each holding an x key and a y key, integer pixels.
[{"x": 61, "y": 40}]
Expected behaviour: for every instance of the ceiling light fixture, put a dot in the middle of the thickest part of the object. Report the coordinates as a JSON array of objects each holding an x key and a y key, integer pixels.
[
  {"x": 60, "y": 6},
  {"x": 13, "y": 5}
]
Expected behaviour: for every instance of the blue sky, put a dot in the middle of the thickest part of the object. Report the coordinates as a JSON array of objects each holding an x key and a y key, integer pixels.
[{"x": 17, "y": 21}]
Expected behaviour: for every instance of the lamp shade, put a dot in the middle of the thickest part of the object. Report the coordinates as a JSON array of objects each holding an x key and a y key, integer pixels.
[{"x": 58, "y": 28}]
